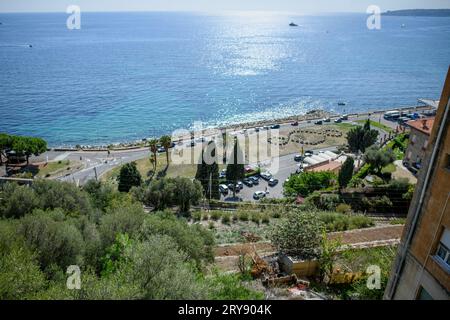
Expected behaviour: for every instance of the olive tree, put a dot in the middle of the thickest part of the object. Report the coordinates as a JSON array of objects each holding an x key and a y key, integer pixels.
[{"x": 299, "y": 234}]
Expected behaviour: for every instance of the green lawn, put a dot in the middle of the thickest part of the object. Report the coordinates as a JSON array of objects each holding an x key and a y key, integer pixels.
[
  {"x": 377, "y": 125},
  {"x": 56, "y": 168},
  {"x": 390, "y": 168}
]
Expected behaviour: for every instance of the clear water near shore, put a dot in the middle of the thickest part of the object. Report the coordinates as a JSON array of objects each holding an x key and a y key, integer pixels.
[{"x": 125, "y": 76}]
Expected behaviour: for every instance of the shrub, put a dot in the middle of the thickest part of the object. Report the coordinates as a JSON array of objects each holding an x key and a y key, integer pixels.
[
  {"x": 196, "y": 216},
  {"x": 215, "y": 215},
  {"x": 343, "y": 208},
  {"x": 129, "y": 177},
  {"x": 58, "y": 241},
  {"x": 256, "y": 217},
  {"x": 307, "y": 182},
  {"x": 377, "y": 204},
  {"x": 265, "y": 218},
  {"x": 243, "y": 215},
  {"x": 127, "y": 219},
  {"x": 299, "y": 234},
  {"x": 226, "y": 218},
  {"x": 334, "y": 221},
  {"x": 20, "y": 276},
  {"x": 16, "y": 201},
  {"x": 193, "y": 240},
  {"x": 276, "y": 214},
  {"x": 64, "y": 195}
]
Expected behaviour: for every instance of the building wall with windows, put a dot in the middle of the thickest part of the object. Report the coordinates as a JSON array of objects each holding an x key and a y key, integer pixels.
[
  {"x": 418, "y": 141},
  {"x": 422, "y": 266}
]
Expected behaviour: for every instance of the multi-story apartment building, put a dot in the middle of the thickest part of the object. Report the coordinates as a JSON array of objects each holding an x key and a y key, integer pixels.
[
  {"x": 418, "y": 141},
  {"x": 422, "y": 267}
]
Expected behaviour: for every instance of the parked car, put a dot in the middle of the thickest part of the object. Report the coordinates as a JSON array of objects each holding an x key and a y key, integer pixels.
[
  {"x": 318, "y": 122},
  {"x": 223, "y": 189},
  {"x": 429, "y": 113},
  {"x": 308, "y": 153},
  {"x": 248, "y": 182},
  {"x": 327, "y": 120},
  {"x": 259, "y": 195},
  {"x": 338, "y": 120},
  {"x": 240, "y": 185},
  {"x": 255, "y": 180},
  {"x": 223, "y": 174},
  {"x": 161, "y": 149},
  {"x": 266, "y": 176},
  {"x": 295, "y": 123},
  {"x": 275, "y": 126},
  {"x": 344, "y": 117},
  {"x": 298, "y": 157},
  {"x": 403, "y": 120},
  {"x": 273, "y": 182},
  {"x": 232, "y": 187},
  {"x": 257, "y": 129}
]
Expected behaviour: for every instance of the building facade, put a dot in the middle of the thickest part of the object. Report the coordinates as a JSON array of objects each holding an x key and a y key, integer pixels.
[
  {"x": 422, "y": 266},
  {"x": 418, "y": 141}
]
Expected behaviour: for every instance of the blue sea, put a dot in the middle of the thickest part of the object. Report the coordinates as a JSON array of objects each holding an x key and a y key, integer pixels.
[{"x": 125, "y": 76}]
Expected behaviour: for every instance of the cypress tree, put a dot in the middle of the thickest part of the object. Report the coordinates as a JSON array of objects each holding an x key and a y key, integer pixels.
[
  {"x": 346, "y": 173},
  {"x": 208, "y": 172},
  {"x": 235, "y": 168}
]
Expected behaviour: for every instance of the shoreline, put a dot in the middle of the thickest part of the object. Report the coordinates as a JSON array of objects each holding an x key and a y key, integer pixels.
[{"x": 312, "y": 115}]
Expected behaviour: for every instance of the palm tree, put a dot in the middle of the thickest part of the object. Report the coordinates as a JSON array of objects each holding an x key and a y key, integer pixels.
[
  {"x": 166, "y": 142},
  {"x": 153, "y": 143}
]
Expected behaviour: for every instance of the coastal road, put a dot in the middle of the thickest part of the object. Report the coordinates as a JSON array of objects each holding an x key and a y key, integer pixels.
[{"x": 97, "y": 163}]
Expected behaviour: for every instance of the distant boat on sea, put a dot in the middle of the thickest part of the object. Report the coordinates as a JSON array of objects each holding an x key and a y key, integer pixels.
[
  {"x": 293, "y": 24},
  {"x": 341, "y": 103}
]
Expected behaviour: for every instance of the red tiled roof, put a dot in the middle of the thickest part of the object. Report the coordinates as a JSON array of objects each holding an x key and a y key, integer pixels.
[
  {"x": 423, "y": 125},
  {"x": 328, "y": 166}
]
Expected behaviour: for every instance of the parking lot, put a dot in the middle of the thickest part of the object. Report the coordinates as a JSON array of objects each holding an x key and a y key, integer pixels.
[{"x": 287, "y": 167}]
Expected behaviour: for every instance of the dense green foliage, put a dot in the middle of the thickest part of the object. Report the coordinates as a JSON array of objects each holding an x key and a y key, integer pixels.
[
  {"x": 129, "y": 177},
  {"x": 122, "y": 251},
  {"x": 346, "y": 172},
  {"x": 23, "y": 146},
  {"x": 361, "y": 137},
  {"x": 208, "y": 172},
  {"x": 378, "y": 158},
  {"x": 299, "y": 234},
  {"x": 305, "y": 183},
  {"x": 166, "y": 192}
]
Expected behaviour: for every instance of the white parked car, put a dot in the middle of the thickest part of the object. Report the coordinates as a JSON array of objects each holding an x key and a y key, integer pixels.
[
  {"x": 223, "y": 189},
  {"x": 259, "y": 195}
]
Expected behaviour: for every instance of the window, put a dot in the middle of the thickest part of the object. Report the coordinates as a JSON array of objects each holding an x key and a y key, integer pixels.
[
  {"x": 424, "y": 295},
  {"x": 413, "y": 139},
  {"x": 443, "y": 251},
  {"x": 447, "y": 161}
]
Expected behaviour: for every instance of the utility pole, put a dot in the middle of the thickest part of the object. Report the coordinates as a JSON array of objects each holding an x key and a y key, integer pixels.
[{"x": 95, "y": 171}]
